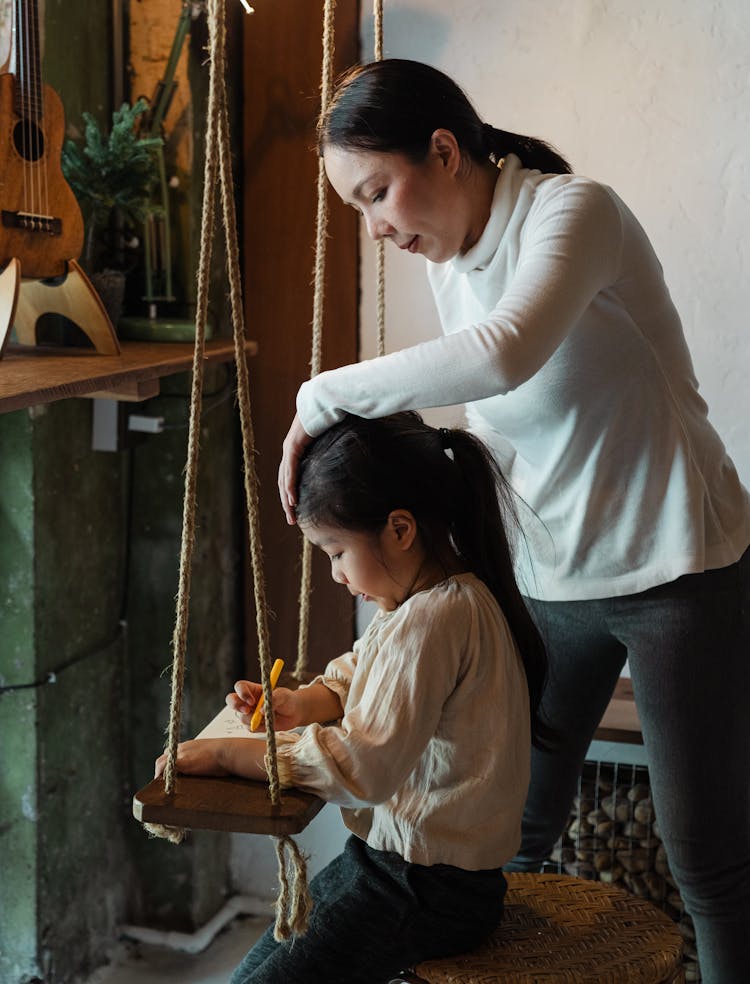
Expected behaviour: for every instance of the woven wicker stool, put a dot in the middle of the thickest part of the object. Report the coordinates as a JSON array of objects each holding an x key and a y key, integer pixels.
[{"x": 562, "y": 930}]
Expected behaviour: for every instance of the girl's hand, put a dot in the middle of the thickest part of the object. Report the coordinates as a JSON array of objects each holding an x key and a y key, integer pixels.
[
  {"x": 294, "y": 444},
  {"x": 286, "y": 705},
  {"x": 199, "y": 757},
  {"x": 218, "y": 757}
]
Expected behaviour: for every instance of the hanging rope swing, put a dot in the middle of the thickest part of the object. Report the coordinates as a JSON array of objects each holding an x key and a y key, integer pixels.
[{"x": 170, "y": 805}]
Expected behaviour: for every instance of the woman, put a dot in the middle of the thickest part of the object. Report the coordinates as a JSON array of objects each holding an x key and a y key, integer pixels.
[{"x": 560, "y": 337}]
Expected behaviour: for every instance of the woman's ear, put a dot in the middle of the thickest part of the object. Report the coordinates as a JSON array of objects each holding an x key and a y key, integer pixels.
[
  {"x": 445, "y": 147},
  {"x": 401, "y": 527}
]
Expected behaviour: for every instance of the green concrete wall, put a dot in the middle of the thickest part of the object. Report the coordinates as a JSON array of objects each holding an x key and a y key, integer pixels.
[
  {"x": 18, "y": 739},
  {"x": 89, "y": 548},
  {"x": 60, "y": 672}
]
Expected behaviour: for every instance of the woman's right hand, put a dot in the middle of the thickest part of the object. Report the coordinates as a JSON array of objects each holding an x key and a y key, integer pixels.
[
  {"x": 286, "y": 711},
  {"x": 294, "y": 444}
]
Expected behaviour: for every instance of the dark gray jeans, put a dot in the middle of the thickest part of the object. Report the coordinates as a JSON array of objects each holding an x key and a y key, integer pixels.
[
  {"x": 374, "y": 915},
  {"x": 688, "y": 646}
]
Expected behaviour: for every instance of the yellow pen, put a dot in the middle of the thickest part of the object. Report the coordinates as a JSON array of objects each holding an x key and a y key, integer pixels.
[{"x": 276, "y": 669}]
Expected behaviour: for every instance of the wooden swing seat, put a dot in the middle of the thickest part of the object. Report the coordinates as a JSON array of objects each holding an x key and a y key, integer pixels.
[
  {"x": 241, "y": 806},
  {"x": 225, "y": 803}
]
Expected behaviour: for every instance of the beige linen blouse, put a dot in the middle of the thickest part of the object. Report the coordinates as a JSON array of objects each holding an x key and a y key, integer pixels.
[{"x": 431, "y": 758}]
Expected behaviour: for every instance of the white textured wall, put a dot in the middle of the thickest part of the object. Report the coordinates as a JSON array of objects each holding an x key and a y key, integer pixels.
[{"x": 650, "y": 98}]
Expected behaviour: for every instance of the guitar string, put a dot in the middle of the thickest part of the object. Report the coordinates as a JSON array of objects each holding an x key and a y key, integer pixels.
[
  {"x": 29, "y": 109},
  {"x": 28, "y": 122},
  {"x": 43, "y": 137},
  {"x": 20, "y": 76},
  {"x": 31, "y": 103},
  {"x": 35, "y": 53},
  {"x": 32, "y": 95}
]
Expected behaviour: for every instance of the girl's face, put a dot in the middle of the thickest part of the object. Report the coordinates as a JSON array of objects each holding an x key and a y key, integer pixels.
[
  {"x": 371, "y": 565},
  {"x": 419, "y": 207}
]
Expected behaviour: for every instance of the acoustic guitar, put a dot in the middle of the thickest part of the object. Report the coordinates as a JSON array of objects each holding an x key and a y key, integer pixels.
[{"x": 41, "y": 222}]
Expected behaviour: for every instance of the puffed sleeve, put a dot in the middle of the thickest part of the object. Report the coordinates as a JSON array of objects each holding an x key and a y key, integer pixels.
[{"x": 338, "y": 675}]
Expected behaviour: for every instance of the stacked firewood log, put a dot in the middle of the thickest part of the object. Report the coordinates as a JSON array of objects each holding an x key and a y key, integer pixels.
[{"x": 613, "y": 837}]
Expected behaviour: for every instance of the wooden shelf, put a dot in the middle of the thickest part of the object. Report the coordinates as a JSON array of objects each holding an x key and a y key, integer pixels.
[
  {"x": 621, "y": 721},
  {"x": 41, "y": 374}
]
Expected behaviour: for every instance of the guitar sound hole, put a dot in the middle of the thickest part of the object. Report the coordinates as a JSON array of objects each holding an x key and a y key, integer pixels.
[{"x": 28, "y": 139}]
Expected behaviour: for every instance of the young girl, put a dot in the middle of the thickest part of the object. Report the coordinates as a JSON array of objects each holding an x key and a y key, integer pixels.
[{"x": 422, "y": 733}]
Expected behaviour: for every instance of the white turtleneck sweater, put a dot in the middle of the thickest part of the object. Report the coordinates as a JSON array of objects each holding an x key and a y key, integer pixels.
[{"x": 562, "y": 340}]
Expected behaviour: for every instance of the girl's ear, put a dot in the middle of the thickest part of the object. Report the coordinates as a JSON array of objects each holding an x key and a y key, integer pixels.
[
  {"x": 401, "y": 527},
  {"x": 445, "y": 147}
]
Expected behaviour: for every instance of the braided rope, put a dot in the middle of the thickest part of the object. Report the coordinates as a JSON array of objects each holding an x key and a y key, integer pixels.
[
  {"x": 380, "y": 245},
  {"x": 294, "y": 903},
  {"x": 179, "y": 637},
  {"x": 321, "y": 235},
  {"x": 321, "y": 226},
  {"x": 251, "y": 483},
  {"x": 377, "y": 13},
  {"x": 380, "y": 298}
]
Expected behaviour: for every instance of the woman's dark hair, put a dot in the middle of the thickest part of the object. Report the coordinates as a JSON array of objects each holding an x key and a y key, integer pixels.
[
  {"x": 357, "y": 472},
  {"x": 395, "y": 105}
]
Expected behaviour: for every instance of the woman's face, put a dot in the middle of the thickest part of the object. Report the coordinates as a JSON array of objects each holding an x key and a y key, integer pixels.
[{"x": 419, "y": 207}]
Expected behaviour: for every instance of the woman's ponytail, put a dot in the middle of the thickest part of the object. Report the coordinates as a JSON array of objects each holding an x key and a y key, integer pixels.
[{"x": 535, "y": 154}]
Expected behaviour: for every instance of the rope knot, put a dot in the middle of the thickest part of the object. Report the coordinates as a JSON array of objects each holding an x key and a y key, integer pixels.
[{"x": 294, "y": 904}]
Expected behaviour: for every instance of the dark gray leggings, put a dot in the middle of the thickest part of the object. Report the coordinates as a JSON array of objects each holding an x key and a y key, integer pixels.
[
  {"x": 688, "y": 647},
  {"x": 374, "y": 915}
]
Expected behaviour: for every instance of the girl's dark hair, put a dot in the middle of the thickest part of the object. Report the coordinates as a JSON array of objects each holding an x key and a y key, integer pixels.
[
  {"x": 395, "y": 105},
  {"x": 357, "y": 472}
]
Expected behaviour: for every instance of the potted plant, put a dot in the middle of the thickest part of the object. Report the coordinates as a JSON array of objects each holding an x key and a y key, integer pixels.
[{"x": 113, "y": 177}]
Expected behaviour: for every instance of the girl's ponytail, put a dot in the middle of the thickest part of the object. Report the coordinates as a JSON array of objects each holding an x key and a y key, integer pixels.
[{"x": 481, "y": 519}]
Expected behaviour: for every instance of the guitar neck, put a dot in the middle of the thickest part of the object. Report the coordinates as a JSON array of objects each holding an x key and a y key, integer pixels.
[{"x": 27, "y": 62}]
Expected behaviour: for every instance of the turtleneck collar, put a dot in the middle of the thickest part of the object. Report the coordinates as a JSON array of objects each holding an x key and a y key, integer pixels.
[{"x": 503, "y": 203}]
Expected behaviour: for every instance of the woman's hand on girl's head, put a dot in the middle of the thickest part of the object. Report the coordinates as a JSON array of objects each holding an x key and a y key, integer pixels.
[
  {"x": 294, "y": 444},
  {"x": 244, "y": 699}
]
